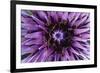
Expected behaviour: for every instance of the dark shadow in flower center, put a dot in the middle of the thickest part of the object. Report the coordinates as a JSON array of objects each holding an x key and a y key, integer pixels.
[{"x": 59, "y": 36}]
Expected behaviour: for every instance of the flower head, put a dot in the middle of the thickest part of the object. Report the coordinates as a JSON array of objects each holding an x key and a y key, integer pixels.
[{"x": 54, "y": 36}]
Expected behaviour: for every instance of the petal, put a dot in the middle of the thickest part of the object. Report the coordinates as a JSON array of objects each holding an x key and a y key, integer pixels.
[
  {"x": 41, "y": 47},
  {"x": 75, "y": 18},
  {"x": 80, "y": 31},
  {"x": 29, "y": 49},
  {"x": 67, "y": 55},
  {"x": 34, "y": 57},
  {"x": 79, "y": 46},
  {"x": 85, "y": 36},
  {"x": 27, "y": 20},
  {"x": 74, "y": 51},
  {"x": 43, "y": 55},
  {"x": 84, "y": 14},
  {"x": 79, "y": 39},
  {"x": 56, "y": 57},
  {"x": 33, "y": 42},
  {"x": 26, "y": 59},
  {"x": 81, "y": 21},
  {"x": 35, "y": 35},
  {"x": 50, "y": 57},
  {"x": 25, "y": 13},
  {"x": 33, "y": 27},
  {"x": 42, "y": 15},
  {"x": 60, "y": 14},
  {"x": 72, "y": 57},
  {"x": 54, "y": 17},
  {"x": 71, "y": 16},
  {"x": 38, "y": 21},
  {"x": 23, "y": 32},
  {"x": 65, "y": 16}
]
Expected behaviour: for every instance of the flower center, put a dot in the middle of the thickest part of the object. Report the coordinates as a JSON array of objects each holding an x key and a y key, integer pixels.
[{"x": 58, "y": 35}]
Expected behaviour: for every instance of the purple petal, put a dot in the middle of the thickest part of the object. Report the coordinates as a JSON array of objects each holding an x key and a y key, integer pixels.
[
  {"x": 79, "y": 39},
  {"x": 77, "y": 15},
  {"x": 42, "y": 15},
  {"x": 71, "y": 16},
  {"x": 80, "y": 31},
  {"x": 74, "y": 51},
  {"x": 35, "y": 35},
  {"x": 67, "y": 57},
  {"x": 33, "y": 27},
  {"x": 33, "y": 42},
  {"x": 39, "y": 22},
  {"x": 85, "y": 36},
  {"x": 23, "y": 12},
  {"x": 53, "y": 16},
  {"x": 78, "y": 45},
  {"x": 81, "y": 21},
  {"x": 29, "y": 49},
  {"x": 65, "y": 16},
  {"x": 60, "y": 14}
]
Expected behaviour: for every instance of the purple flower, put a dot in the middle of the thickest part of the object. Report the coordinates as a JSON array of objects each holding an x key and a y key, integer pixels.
[{"x": 54, "y": 36}]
